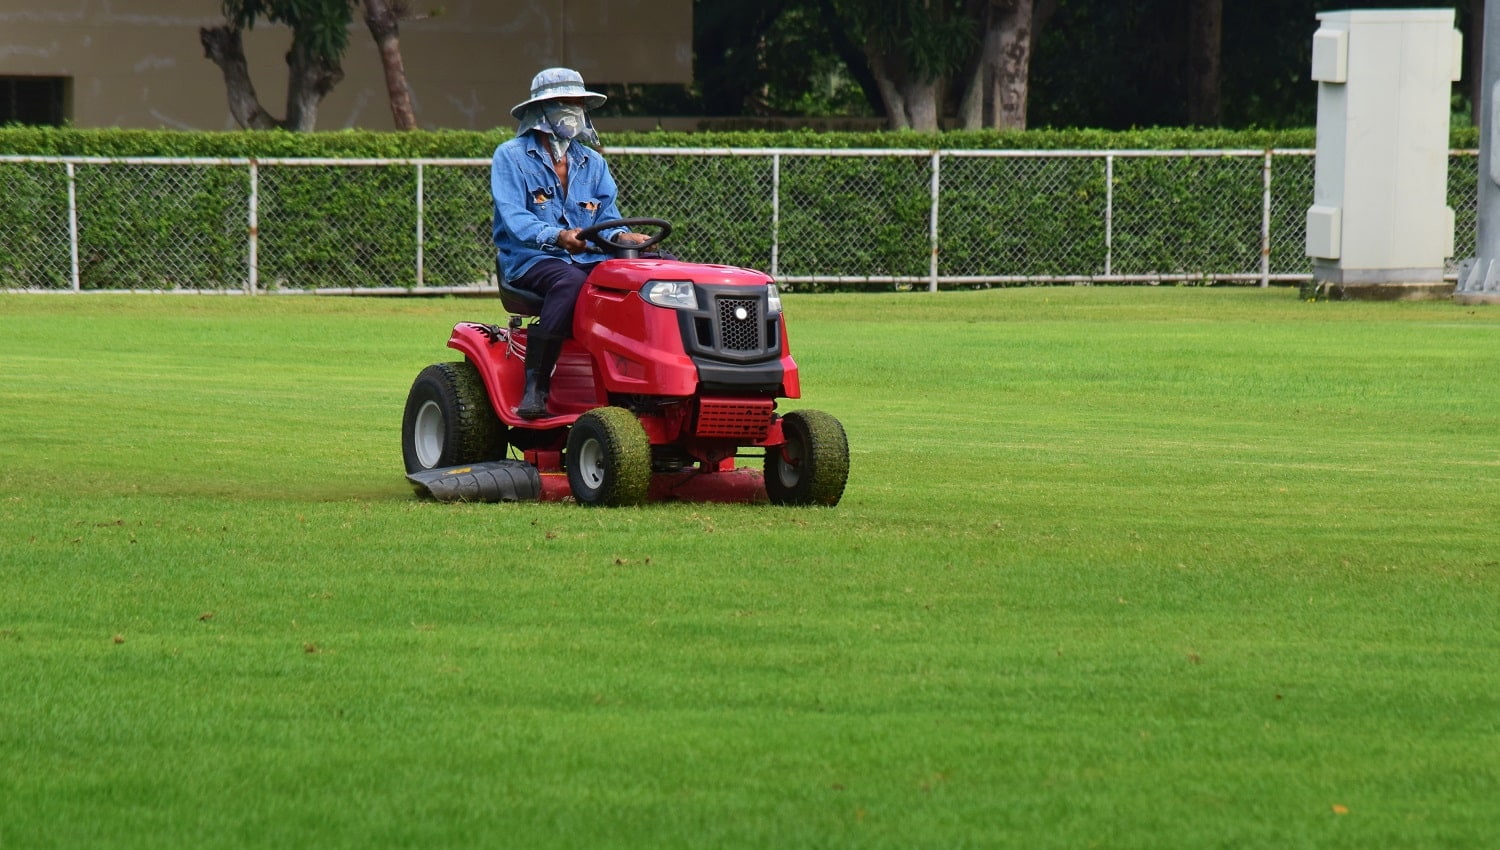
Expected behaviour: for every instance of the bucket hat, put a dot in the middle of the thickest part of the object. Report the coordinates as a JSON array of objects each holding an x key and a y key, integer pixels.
[{"x": 554, "y": 83}]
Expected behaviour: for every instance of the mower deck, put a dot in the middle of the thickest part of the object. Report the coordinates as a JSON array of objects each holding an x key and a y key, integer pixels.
[{"x": 518, "y": 481}]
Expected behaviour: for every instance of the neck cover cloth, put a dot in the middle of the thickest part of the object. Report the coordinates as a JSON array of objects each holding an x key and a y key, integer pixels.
[{"x": 562, "y": 122}]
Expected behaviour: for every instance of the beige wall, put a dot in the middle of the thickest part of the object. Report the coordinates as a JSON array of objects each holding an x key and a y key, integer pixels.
[{"x": 138, "y": 63}]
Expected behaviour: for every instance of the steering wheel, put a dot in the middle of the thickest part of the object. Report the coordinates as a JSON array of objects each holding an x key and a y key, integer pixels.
[{"x": 626, "y": 250}]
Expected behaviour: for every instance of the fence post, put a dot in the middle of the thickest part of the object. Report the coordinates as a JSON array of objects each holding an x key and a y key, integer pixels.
[
  {"x": 1265, "y": 222},
  {"x": 420, "y": 213},
  {"x": 73, "y": 229},
  {"x": 252, "y": 277},
  {"x": 775, "y": 215},
  {"x": 1109, "y": 213},
  {"x": 932, "y": 233}
]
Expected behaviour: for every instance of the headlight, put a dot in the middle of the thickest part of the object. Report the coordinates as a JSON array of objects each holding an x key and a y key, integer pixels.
[
  {"x": 773, "y": 300},
  {"x": 677, "y": 294}
]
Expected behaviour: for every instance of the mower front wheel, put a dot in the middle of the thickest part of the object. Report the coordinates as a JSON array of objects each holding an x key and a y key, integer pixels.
[
  {"x": 608, "y": 458},
  {"x": 449, "y": 420},
  {"x": 812, "y": 466}
]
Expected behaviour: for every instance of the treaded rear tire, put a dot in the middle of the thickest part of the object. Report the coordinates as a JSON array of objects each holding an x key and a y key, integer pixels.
[
  {"x": 812, "y": 467},
  {"x": 449, "y": 420},
  {"x": 608, "y": 459}
]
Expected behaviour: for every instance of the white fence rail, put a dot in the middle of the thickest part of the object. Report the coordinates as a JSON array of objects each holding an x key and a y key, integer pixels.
[{"x": 810, "y": 217}]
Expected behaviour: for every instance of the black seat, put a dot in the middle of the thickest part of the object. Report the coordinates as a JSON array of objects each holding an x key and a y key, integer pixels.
[
  {"x": 516, "y": 301},
  {"x": 520, "y": 302}
]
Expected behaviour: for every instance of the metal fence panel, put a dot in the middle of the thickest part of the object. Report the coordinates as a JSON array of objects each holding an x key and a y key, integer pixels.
[
  {"x": 1463, "y": 198},
  {"x": 1185, "y": 215},
  {"x": 990, "y": 206},
  {"x": 457, "y": 246},
  {"x": 844, "y": 217},
  {"x": 193, "y": 237},
  {"x": 34, "y": 226},
  {"x": 1292, "y": 185},
  {"x": 810, "y": 217},
  {"x": 722, "y": 206}
]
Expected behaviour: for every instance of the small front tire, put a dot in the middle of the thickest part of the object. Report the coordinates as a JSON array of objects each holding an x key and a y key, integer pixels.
[
  {"x": 812, "y": 466},
  {"x": 608, "y": 458}
]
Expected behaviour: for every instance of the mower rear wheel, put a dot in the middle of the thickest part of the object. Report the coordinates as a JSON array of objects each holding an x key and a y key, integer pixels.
[
  {"x": 608, "y": 458},
  {"x": 449, "y": 420},
  {"x": 812, "y": 466}
]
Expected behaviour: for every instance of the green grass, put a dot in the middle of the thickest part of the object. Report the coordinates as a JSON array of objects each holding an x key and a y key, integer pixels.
[{"x": 1115, "y": 567}]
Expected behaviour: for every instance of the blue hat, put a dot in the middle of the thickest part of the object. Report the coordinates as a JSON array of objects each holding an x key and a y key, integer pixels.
[{"x": 554, "y": 83}]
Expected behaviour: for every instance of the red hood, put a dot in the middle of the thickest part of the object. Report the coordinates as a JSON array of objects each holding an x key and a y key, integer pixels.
[{"x": 633, "y": 274}]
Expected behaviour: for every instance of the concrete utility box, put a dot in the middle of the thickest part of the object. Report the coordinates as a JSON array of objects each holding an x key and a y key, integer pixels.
[
  {"x": 1479, "y": 280},
  {"x": 1380, "y": 225}
]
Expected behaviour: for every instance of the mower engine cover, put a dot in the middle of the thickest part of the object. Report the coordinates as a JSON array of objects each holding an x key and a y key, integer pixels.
[{"x": 725, "y": 322}]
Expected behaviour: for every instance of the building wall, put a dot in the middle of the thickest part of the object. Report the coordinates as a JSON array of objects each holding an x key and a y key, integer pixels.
[{"x": 139, "y": 63}]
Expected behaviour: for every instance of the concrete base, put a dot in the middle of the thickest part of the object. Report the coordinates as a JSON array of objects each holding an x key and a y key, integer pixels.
[
  {"x": 1329, "y": 271},
  {"x": 1334, "y": 283},
  {"x": 1324, "y": 290},
  {"x": 1476, "y": 297}
]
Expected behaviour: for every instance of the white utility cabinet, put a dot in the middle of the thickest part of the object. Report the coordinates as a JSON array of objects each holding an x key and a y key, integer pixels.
[{"x": 1380, "y": 224}]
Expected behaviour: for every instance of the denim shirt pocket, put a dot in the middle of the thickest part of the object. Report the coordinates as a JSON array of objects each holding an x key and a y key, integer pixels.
[
  {"x": 540, "y": 193},
  {"x": 588, "y": 210}
]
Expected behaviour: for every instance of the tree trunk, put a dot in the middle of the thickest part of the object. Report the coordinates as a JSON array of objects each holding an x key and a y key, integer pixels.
[
  {"x": 980, "y": 70},
  {"x": 1014, "y": 76},
  {"x": 909, "y": 103},
  {"x": 890, "y": 96},
  {"x": 309, "y": 79},
  {"x": 224, "y": 47},
  {"x": 384, "y": 28},
  {"x": 995, "y": 95},
  {"x": 856, "y": 59},
  {"x": 1205, "y": 47},
  {"x": 922, "y": 106}
]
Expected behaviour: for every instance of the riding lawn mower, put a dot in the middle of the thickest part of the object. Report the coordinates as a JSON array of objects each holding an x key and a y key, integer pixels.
[{"x": 673, "y": 371}]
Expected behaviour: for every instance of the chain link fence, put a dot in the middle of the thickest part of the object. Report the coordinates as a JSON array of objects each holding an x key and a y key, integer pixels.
[{"x": 811, "y": 218}]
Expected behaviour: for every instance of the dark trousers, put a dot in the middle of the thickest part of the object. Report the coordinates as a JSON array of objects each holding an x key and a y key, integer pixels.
[{"x": 558, "y": 282}]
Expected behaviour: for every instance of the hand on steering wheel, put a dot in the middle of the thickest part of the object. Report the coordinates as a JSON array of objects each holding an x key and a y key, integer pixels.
[
  {"x": 568, "y": 241},
  {"x": 626, "y": 241}
]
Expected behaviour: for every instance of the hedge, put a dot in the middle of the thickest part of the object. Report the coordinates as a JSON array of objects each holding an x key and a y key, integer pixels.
[{"x": 184, "y": 226}]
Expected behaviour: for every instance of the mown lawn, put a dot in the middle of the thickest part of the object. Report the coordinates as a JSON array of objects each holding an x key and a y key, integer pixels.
[{"x": 1115, "y": 567}]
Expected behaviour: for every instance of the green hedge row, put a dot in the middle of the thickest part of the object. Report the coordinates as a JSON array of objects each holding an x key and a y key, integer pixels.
[
  {"x": 458, "y": 143},
  {"x": 454, "y": 143},
  {"x": 185, "y": 226}
]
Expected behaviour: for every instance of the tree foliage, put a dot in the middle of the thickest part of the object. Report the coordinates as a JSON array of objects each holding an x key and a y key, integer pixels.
[
  {"x": 320, "y": 36},
  {"x": 1099, "y": 63},
  {"x": 319, "y": 27}
]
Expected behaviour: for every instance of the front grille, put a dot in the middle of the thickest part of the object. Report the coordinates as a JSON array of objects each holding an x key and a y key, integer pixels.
[
  {"x": 714, "y": 332},
  {"x": 735, "y": 419},
  {"x": 735, "y": 333}
]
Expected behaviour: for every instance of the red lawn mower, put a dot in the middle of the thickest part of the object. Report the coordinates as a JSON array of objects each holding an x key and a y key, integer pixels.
[{"x": 673, "y": 371}]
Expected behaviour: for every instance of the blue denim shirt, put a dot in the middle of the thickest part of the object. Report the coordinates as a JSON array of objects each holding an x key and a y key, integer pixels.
[{"x": 531, "y": 209}]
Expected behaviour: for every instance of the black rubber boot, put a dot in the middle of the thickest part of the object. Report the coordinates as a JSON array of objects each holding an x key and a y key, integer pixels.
[{"x": 542, "y": 350}]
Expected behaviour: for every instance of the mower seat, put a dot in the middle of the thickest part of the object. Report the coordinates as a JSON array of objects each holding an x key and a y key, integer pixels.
[{"x": 520, "y": 302}]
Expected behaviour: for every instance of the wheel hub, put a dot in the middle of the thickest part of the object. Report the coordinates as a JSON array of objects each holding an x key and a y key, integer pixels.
[
  {"x": 591, "y": 464},
  {"x": 427, "y": 434},
  {"x": 789, "y": 469}
]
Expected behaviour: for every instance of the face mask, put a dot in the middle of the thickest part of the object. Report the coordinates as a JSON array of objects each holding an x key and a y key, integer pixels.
[{"x": 567, "y": 119}]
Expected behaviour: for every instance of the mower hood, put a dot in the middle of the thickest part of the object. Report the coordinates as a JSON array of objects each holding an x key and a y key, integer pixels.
[{"x": 631, "y": 275}]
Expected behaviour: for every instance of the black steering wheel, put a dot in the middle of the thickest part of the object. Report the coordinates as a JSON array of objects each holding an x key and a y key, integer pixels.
[{"x": 626, "y": 250}]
